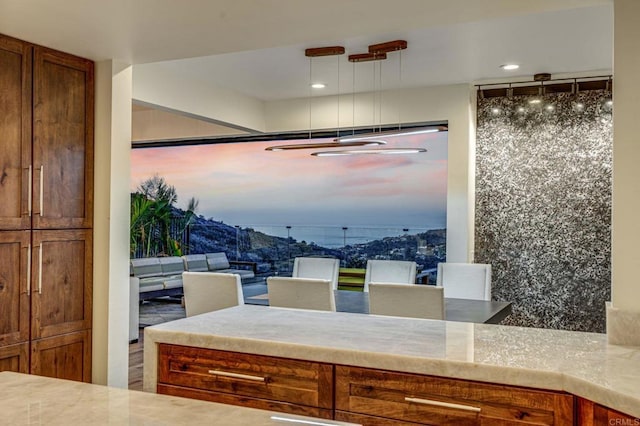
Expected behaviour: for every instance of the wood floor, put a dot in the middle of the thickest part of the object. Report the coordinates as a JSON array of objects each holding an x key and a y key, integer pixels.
[{"x": 135, "y": 363}]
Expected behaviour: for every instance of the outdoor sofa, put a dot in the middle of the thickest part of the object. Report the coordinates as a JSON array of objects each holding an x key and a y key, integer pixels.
[{"x": 162, "y": 276}]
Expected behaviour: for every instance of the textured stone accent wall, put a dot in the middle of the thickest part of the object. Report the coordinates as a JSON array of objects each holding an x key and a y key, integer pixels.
[{"x": 543, "y": 207}]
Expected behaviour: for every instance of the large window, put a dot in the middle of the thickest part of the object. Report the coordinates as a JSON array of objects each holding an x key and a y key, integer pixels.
[{"x": 269, "y": 206}]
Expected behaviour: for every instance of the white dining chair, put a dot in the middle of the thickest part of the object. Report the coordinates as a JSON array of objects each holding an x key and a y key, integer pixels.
[
  {"x": 465, "y": 280},
  {"x": 406, "y": 300},
  {"x": 210, "y": 291},
  {"x": 301, "y": 293},
  {"x": 323, "y": 268},
  {"x": 390, "y": 272}
]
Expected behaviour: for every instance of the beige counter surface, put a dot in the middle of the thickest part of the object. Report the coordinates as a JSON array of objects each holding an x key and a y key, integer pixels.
[
  {"x": 579, "y": 363},
  {"x": 35, "y": 400}
]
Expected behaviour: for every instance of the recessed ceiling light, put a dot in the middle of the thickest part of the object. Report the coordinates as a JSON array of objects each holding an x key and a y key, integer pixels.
[
  {"x": 535, "y": 101},
  {"x": 510, "y": 67},
  {"x": 318, "y": 85},
  {"x": 496, "y": 111}
]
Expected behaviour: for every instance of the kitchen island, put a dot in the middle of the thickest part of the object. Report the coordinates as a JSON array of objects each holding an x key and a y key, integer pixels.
[{"x": 569, "y": 364}]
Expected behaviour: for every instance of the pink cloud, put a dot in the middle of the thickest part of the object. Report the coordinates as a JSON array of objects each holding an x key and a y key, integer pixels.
[{"x": 244, "y": 177}]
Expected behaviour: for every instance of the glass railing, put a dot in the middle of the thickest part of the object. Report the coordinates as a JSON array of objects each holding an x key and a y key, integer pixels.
[{"x": 274, "y": 248}]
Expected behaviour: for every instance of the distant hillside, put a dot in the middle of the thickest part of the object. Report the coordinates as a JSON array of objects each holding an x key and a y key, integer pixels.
[
  {"x": 276, "y": 253},
  {"x": 426, "y": 248},
  {"x": 269, "y": 251}
]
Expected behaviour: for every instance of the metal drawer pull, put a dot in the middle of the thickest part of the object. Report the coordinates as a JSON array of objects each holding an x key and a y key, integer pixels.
[
  {"x": 40, "y": 271},
  {"x": 237, "y": 375},
  {"x": 286, "y": 419},
  {"x": 41, "y": 190},
  {"x": 442, "y": 404},
  {"x": 30, "y": 189},
  {"x": 29, "y": 270}
]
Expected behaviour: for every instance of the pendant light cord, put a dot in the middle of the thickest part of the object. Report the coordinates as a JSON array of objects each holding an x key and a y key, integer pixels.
[
  {"x": 373, "y": 129},
  {"x": 338, "y": 108},
  {"x": 310, "y": 92},
  {"x": 353, "y": 99},
  {"x": 399, "y": 86},
  {"x": 380, "y": 98}
]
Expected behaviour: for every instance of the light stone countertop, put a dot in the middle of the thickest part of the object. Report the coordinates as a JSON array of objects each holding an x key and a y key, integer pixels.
[
  {"x": 579, "y": 363},
  {"x": 34, "y": 400}
]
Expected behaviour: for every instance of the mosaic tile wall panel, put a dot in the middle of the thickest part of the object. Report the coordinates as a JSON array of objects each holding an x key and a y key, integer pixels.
[{"x": 543, "y": 207}]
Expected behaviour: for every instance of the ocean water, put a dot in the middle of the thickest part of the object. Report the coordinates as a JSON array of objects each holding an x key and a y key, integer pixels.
[{"x": 335, "y": 237}]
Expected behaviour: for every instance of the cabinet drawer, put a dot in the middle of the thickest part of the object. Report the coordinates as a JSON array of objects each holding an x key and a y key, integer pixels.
[
  {"x": 244, "y": 401},
  {"x": 255, "y": 376},
  {"x": 439, "y": 401}
]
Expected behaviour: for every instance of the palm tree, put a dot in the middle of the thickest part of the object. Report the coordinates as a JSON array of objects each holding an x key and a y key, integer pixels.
[
  {"x": 141, "y": 209},
  {"x": 156, "y": 189},
  {"x": 152, "y": 215}
]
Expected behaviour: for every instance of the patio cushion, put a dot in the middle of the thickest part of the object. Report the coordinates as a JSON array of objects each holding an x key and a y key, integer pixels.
[
  {"x": 217, "y": 261},
  {"x": 172, "y": 265},
  {"x": 146, "y": 267},
  {"x": 244, "y": 273},
  {"x": 151, "y": 284},
  {"x": 173, "y": 283},
  {"x": 195, "y": 263}
]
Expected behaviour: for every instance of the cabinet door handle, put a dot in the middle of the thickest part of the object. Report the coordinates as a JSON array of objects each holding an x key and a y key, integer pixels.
[
  {"x": 41, "y": 190},
  {"x": 29, "y": 270},
  {"x": 40, "y": 270},
  {"x": 442, "y": 404},
  {"x": 30, "y": 190},
  {"x": 237, "y": 375}
]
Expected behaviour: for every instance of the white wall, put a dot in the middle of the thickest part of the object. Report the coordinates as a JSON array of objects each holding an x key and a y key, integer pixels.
[
  {"x": 626, "y": 157},
  {"x": 111, "y": 224},
  {"x": 153, "y": 124},
  {"x": 452, "y": 104},
  {"x": 156, "y": 84}
]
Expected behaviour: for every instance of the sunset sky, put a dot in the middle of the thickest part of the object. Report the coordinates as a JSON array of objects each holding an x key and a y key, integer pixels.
[{"x": 242, "y": 184}]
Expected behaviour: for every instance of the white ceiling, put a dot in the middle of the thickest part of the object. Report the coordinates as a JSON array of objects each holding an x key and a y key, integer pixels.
[
  {"x": 257, "y": 46},
  {"x": 567, "y": 41}
]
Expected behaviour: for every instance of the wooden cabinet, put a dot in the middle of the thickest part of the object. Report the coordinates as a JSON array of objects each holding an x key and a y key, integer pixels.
[
  {"x": 14, "y": 287},
  {"x": 361, "y": 395},
  {"x": 46, "y": 210},
  {"x": 55, "y": 189},
  {"x": 15, "y": 358},
  {"x": 61, "y": 286},
  {"x": 15, "y": 128},
  {"x": 383, "y": 397},
  {"x": 270, "y": 383},
  {"x": 62, "y": 140},
  {"x": 591, "y": 414},
  {"x": 66, "y": 356},
  {"x": 380, "y": 397}
]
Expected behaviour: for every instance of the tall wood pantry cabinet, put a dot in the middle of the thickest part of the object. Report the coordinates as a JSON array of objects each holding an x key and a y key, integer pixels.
[{"x": 46, "y": 211}]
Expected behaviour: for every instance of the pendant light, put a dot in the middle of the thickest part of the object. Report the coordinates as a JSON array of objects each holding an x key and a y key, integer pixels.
[
  {"x": 377, "y": 52},
  {"x": 314, "y": 53}
]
